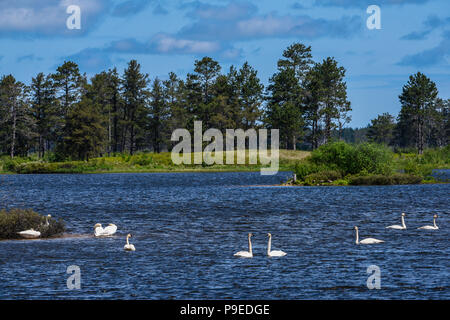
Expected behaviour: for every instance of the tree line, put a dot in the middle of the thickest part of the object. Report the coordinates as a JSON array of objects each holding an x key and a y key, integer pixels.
[
  {"x": 65, "y": 115},
  {"x": 423, "y": 120}
]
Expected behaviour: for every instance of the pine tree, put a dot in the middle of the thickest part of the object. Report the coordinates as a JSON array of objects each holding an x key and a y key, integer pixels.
[
  {"x": 15, "y": 116},
  {"x": 381, "y": 129},
  {"x": 418, "y": 101},
  {"x": 135, "y": 96},
  {"x": 68, "y": 81},
  {"x": 84, "y": 134},
  {"x": 297, "y": 57},
  {"x": 331, "y": 95},
  {"x": 158, "y": 113},
  {"x": 175, "y": 94},
  {"x": 283, "y": 109},
  {"x": 251, "y": 96}
]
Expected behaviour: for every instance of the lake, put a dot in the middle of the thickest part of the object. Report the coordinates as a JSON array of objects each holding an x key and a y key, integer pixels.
[{"x": 187, "y": 226}]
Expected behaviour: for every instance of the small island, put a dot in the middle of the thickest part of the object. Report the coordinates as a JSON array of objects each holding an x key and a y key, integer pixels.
[
  {"x": 14, "y": 221},
  {"x": 341, "y": 164}
]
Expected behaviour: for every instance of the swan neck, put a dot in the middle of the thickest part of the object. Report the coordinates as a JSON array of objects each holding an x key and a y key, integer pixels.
[
  {"x": 434, "y": 222},
  {"x": 127, "y": 241},
  {"x": 250, "y": 245},
  {"x": 403, "y": 222},
  {"x": 269, "y": 245},
  {"x": 357, "y": 236}
]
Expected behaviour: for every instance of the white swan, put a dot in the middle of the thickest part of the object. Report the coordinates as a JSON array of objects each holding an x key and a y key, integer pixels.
[
  {"x": 30, "y": 234},
  {"x": 99, "y": 231},
  {"x": 433, "y": 227},
  {"x": 367, "y": 240},
  {"x": 398, "y": 227},
  {"x": 128, "y": 246},
  {"x": 46, "y": 220},
  {"x": 33, "y": 234},
  {"x": 249, "y": 253},
  {"x": 275, "y": 253}
]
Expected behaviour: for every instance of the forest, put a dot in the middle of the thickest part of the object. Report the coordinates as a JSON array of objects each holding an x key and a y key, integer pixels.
[{"x": 64, "y": 116}]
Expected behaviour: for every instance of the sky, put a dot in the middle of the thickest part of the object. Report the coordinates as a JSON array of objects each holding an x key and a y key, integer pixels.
[{"x": 170, "y": 35}]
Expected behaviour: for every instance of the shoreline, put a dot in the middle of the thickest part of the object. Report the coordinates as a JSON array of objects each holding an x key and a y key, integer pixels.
[{"x": 187, "y": 170}]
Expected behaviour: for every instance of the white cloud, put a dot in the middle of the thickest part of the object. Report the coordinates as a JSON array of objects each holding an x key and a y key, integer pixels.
[
  {"x": 169, "y": 44},
  {"x": 47, "y": 17}
]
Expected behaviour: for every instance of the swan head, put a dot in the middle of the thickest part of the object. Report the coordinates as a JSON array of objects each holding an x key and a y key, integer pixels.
[
  {"x": 129, "y": 235},
  {"x": 403, "y": 214},
  {"x": 111, "y": 225},
  {"x": 269, "y": 235},
  {"x": 98, "y": 225},
  {"x": 250, "y": 235},
  {"x": 435, "y": 216},
  {"x": 356, "y": 228}
]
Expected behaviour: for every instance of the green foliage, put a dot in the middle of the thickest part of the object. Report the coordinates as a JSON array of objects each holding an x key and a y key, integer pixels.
[
  {"x": 339, "y": 163},
  {"x": 381, "y": 129},
  {"x": 419, "y": 102},
  {"x": 353, "y": 159},
  {"x": 84, "y": 134},
  {"x": 322, "y": 177},
  {"x": 303, "y": 169},
  {"x": 17, "y": 220},
  {"x": 379, "y": 179},
  {"x": 436, "y": 156}
]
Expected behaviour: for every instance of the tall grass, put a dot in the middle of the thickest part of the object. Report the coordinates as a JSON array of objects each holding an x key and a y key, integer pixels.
[{"x": 140, "y": 162}]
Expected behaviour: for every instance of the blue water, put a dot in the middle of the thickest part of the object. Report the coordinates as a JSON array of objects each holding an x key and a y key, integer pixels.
[{"x": 186, "y": 227}]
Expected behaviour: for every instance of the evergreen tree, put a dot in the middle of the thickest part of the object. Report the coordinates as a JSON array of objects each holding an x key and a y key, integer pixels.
[
  {"x": 175, "y": 94},
  {"x": 44, "y": 107},
  {"x": 68, "y": 82},
  {"x": 312, "y": 106},
  {"x": 381, "y": 129},
  {"x": 116, "y": 109},
  {"x": 206, "y": 72},
  {"x": 84, "y": 134},
  {"x": 251, "y": 96},
  {"x": 283, "y": 109},
  {"x": 297, "y": 57},
  {"x": 418, "y": 101},
  {"x": 332, "y": 95},
  {"x": 17, "y": 124},
  {"x": 135, "y": 96},
  {"x": 158, "y": 113}
]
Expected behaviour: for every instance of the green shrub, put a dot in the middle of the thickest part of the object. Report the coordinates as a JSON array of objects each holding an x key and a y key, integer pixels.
[
  {"x": 321, "y": 177},
  {"x": 302, "y": 169},
  {"x": 368, "y": 158},
  {"x": 141, "y": 160},
  {"x": 335, "y": 155},
  {"x": 436, "y": 156},
  {"x": 16, "y": 220},
  {"x": 341, "y": 182},
  {"x": 379, "y": 179},
  {"x": 372, "y": 158}
]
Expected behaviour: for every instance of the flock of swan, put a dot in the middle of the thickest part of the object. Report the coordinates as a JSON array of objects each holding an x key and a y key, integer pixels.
[
  {"x": 111, "y": 229},
  {"x": 395, "y": 227},
  {"x": 279, "y": 253},
  {"x": 249, "y": 253},
  {"x": 99, "y": 231}
]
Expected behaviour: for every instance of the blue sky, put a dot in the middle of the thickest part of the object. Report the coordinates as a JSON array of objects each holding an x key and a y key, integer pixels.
[{"x": 169, "y": 35}]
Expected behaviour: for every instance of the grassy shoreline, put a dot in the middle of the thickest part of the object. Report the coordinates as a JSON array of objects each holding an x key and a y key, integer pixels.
[
  {"x": 140, "y": 163},
  {"x": 335, "y": 164}
]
